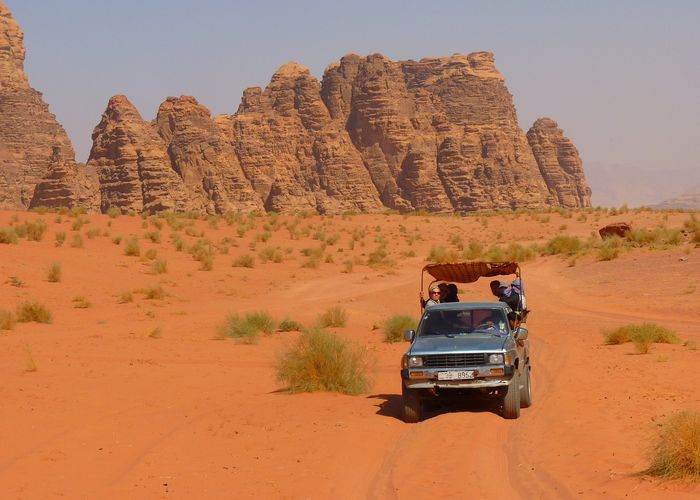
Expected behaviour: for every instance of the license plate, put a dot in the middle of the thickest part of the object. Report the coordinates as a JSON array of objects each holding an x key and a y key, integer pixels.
[{"x": 456, "y": 375}]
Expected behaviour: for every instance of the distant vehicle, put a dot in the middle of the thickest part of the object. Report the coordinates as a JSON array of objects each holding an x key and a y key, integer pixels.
[{"x": 462, "y": 347}]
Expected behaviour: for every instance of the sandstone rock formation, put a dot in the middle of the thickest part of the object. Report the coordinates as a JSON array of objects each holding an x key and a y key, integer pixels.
[
  {"x": 439, "y": 134},
  {"x": 31, "y": 140},
  {"x": 559, "y": 163}
]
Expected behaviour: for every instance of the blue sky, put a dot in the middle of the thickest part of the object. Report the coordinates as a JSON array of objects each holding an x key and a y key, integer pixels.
[{"x": 621, "y": 77}]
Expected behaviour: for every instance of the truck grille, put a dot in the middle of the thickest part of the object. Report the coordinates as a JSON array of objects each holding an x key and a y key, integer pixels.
[{"x": 454, "y": 360}]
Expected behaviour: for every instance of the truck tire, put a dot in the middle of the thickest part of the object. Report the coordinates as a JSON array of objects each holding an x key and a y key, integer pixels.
[
  {"x": 526, "y": 390},
  {"x": 411, "y": 405},
  {"x": 511, "y": 401}
]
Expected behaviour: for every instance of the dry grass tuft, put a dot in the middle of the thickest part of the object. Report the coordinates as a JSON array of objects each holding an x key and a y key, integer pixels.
[
  {"x": 642, "y": 335},
  {"x": 132, "y": 248},
  {"x": 321, "y": 361},
  {"x": 55, "y": 273},
  {"x": 28, "y": 312},
  {"x": 7, "y": 320},
  {"x": 335, "y": 317},
  {"x": 676, "y": 454},
  {"x": 289, "y": 325},
  {"x": 244, "y": 260},
  {"x": 395, "y": 326},
  {"x": 245, "y": 330}
]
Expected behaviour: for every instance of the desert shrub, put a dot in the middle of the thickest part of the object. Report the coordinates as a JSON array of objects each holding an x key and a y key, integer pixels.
[
  {"x": 263, "y": 237},
  {"x": 60, "y": 238},
  {"x": 244, "y": 260},
  {"x": 92, "y": 233},
  {"x": 692, "y": 226},
  {"x": 395, "y": 326},
  {"x": 77, "y": 241},
  {"x": 676, "y": 453},
  {"x": 132, "y": 248},
  {"x": 246, "y": 329},
  {"x": 654, "y": 238},
  {"x": 203, "y": 252},
  {"x": 81, "y": 302},
  {"x": 33, "y": 312},
  {"x": 117, "y": 240},
  {"x": 159, "y": 266},
  {"x": 194, "y": 232},
  {"x": 156, "y": 333},
  {"x": 114, "y": 212},
  {"x": 154, "y": 292},
  {"x": 440, "y": 254},
  {"x": 321, "y": 361},
  {"x": 641, "y": 334},
  {"x": 8, "y": 235},
  {"x": 473, "y": 250},
  {"x": 563, "y": 245},
  {"x": 178, "y": 242},
  {"x": 150, "y": 254},
  {"x": 55, "y": 273},
  {"x": 125, "y": 296},
  {"x": 35, "y": 229},
  {"x": 154, "y": 236},
  {"x": 333, "y": 239},
  {"x": 289, "y": 325},
  {"x": 333, "y": 317},
  {"x": 270, "y": 253},
  {"x": 610, "y": 248},
  {"x": 78, "y": 224},
  {"x": 380, "y": 258},
  {"x": 7, "y": 320},
  {"x": 347, "y": 266},
  {"x": 313, "y": 256}
]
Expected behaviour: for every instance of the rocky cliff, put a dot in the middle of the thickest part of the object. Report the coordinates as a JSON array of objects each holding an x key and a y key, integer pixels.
[
  {"x": 34, "y": 148},
  {"x": 439, "y": 134}
]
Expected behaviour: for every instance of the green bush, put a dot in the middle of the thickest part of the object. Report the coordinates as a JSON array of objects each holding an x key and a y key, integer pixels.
[
  {"x": 333, "y": 317},
  {"x": 114, "y": 212},
  {"x": 246, "y": 329},
  {"x": 395, "y": 326},
  {"x": 154, "y": 236},
  {"x": 7, "y": 320},
  {"x": 676, "y": 454},
  {"x": 244, "y": 261},
  {"x": 8, "y": 235},
  {"x": 289, "y": 325},
  {"x": 610, "y": 248},
  {"x": 33, "y": 312},
  {"x": 77, "y": 241},
  {"x": 320, "y": 361},
  {"x": 659, "y": 237},
  {"x": 563, "y": 245},
  {"x": 645, "y": 333},
  {"x": 439, "y": 254},
  {"x": 55, "y": 273}
]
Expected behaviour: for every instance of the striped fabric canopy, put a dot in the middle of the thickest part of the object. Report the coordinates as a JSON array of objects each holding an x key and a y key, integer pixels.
[{"x": 469, "y": 272}]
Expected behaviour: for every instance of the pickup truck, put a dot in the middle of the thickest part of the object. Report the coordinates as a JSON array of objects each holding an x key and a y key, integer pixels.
[{"x": 461, "y": 347}]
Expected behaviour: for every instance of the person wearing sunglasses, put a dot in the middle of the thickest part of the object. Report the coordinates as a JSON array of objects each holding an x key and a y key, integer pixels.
[{"x": 433, "y": 299}]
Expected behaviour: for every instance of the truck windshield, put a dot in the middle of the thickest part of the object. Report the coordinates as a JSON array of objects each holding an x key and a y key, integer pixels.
[{"x": 463, "y": 322}]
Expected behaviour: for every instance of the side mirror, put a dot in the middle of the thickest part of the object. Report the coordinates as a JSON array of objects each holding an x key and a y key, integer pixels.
[
  {"x": 521, "y": 333},
  {"x": 408, "y": 335}
]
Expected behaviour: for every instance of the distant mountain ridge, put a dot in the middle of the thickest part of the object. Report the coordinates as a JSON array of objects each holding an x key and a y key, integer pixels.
[{"x": 439, "y": 134}]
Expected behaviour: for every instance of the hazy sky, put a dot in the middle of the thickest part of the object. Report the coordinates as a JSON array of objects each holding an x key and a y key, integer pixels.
[{"x": 621, "y": 78}]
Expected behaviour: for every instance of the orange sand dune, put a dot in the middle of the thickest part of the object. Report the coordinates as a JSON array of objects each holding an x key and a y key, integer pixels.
[{"x": 93, "y": 407}]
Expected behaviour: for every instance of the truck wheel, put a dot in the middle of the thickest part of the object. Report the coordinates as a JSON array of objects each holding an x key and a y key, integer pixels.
[
  {"x": 511, "y": 401},
  {"x": 411, "y": 405},
  {"x": 526, "y": 390}
]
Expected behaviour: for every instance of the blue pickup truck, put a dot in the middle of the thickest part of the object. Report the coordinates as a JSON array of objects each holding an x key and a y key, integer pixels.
[{"x": 461, "y": 347}]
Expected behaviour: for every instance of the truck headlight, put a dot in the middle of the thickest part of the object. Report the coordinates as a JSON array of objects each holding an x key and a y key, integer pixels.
[
  {"x": 495, "y": 359},
  {"x": 414, "y": 361}
]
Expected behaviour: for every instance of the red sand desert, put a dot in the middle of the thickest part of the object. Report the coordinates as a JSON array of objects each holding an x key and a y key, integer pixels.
[{"x": 94, "y": 407}]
